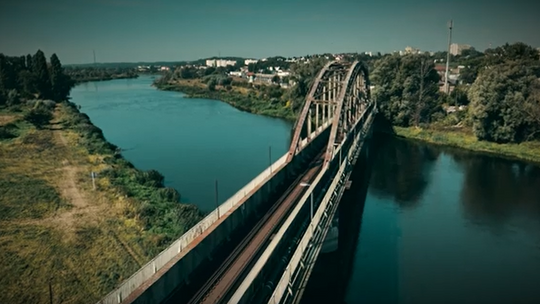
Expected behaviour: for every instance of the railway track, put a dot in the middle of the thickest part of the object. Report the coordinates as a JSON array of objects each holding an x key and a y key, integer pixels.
[{"x": 221, "y": 284}]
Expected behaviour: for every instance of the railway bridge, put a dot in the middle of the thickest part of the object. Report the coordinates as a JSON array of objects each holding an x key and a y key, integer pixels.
[{"x": 260, "y": 245}]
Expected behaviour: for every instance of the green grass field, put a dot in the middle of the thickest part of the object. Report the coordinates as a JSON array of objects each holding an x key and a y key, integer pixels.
[{"x": 56, "y": 230}]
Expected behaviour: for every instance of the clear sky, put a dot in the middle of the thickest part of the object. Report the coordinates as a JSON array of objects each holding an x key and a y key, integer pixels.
[{"x": 171, "y": 30}]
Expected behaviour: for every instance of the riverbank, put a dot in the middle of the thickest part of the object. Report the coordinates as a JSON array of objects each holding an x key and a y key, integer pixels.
[
  {"x": 528, "y": 151},
  {"x": 59, "y": 233},
  {"x": 241, "y": 98},
  {"x": 244, "y": 99}
]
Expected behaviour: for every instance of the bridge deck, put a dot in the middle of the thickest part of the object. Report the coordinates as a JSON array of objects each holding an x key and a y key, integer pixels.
[{"x": 222, "y": 282}]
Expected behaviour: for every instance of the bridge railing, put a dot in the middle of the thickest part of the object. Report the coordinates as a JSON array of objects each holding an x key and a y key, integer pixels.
[
  {"x": 289, "y": 276},
  {"x": 176, "y": 248},
  {"x": 150, "y": 268}
]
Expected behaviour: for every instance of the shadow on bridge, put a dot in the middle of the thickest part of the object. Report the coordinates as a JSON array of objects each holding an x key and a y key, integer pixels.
[{"x": 330, "y": 277}]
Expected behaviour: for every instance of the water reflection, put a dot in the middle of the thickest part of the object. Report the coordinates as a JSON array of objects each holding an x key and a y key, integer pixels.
[
  {"x": 402, "y": 171},
  {"x": 472, "y": 224},
  {"x": 494, "y": 190}
]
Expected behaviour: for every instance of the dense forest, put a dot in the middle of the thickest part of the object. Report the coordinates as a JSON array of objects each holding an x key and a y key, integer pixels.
[{"x": 31, "y": 77}]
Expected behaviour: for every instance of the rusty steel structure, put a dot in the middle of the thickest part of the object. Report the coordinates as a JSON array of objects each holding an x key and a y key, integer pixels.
[{"x": 339, "y": 95}]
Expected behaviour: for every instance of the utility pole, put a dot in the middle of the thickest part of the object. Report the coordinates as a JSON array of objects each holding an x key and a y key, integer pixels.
[{"x": 446, "y": 83}]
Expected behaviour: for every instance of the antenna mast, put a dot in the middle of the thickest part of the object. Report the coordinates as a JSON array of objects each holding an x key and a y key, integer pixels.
[{"x": 446, "y": 82}]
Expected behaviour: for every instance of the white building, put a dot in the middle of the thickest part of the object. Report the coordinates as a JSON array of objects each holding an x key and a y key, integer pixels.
[
  {"x": 410, "y": 50},
  {"x": 248, "y": 61},
  {"x": 456, "y": 49},
  {"x": 235, "y": 73},
  {"x": 219, "y": 62},
  {"x": 283, "y": 74}
]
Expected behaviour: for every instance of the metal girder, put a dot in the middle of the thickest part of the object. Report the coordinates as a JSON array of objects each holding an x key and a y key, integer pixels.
[
  {"x": 335, "y": 96},
  {"x": 346, "y": 109},
  {"x": 327, "y": 70}
]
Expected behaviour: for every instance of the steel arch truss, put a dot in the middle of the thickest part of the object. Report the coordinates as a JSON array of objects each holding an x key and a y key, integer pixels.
[
  {"x": 320, "y": 103},
  {"x": 353, "y": 100},
  {"x": 339, "y": 95}
]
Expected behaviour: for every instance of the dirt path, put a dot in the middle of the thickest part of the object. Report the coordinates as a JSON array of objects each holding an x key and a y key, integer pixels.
[{"x": 81, "y": 208}]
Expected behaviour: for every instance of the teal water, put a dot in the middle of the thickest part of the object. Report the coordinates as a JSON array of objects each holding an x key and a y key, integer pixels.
[
  {"x": 192, "y": 142},
  {"x": 447, "y": 226}
]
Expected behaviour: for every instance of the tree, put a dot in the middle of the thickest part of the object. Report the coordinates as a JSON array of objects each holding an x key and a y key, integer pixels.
[
  {"x": 61, "y": 84},
  {"x": 7, "y": 75},
  {"x": 510, "y": 52},
  {"x": 28, "y": 63},
  {"x": 186, "y": 73},
  {"x": 468, "y": 75},
  {"x": 531, "y": 111},
  {"x": 276, "y": 79},
  {"x": 458, "y": 96},
  {"x": 212, "y": 84},
  {"x": 471, "y": 53},
  {"x": 41, "y": 74},
  {"x": 499, "y": 98},
  {"x": 406, "y": 88}
]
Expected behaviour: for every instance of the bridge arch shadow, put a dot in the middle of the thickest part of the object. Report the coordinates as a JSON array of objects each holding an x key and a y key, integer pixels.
[{"x": 331, "y": 274}]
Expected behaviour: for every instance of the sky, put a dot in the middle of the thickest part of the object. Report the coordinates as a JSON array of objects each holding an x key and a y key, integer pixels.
[{"x": 175, "y": 30}]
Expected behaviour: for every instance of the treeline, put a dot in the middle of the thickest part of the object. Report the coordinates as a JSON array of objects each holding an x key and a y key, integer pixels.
[
  {"x": 496, "y": 95},
  {"x": 31, "y": 77},
  {"x": 500, "y": 93},
  {"x": 86, "y": 74}
]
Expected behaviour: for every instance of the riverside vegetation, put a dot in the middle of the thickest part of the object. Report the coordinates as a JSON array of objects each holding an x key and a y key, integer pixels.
[
  {"x": 81, "y": 74},
  {"x": 56, "y": 232},
  {"x": 497, "y": 99}
]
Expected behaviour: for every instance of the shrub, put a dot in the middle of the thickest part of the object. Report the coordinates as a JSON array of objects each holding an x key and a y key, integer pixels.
[
  {"x": 39, "y": 116},
  {"x": 6, "y": 133}
]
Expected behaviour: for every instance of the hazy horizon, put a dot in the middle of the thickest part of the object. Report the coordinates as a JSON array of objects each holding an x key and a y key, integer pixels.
[{"x": 164, "y": 30}]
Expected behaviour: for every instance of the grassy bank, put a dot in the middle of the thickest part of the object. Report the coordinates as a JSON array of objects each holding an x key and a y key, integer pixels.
[
  {"x": 529, "y": 151},
  {"x": 55, "y": 230},
  {"x": 244, "y": 99}
]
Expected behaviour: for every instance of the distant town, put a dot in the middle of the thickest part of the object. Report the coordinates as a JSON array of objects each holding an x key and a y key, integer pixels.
[{"x": 247, "y": 68}]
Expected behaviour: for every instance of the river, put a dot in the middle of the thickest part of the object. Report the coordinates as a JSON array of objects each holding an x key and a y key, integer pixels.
[
  {"x": 438, "y": 225},
  {"x": 192, "y": 142}
]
